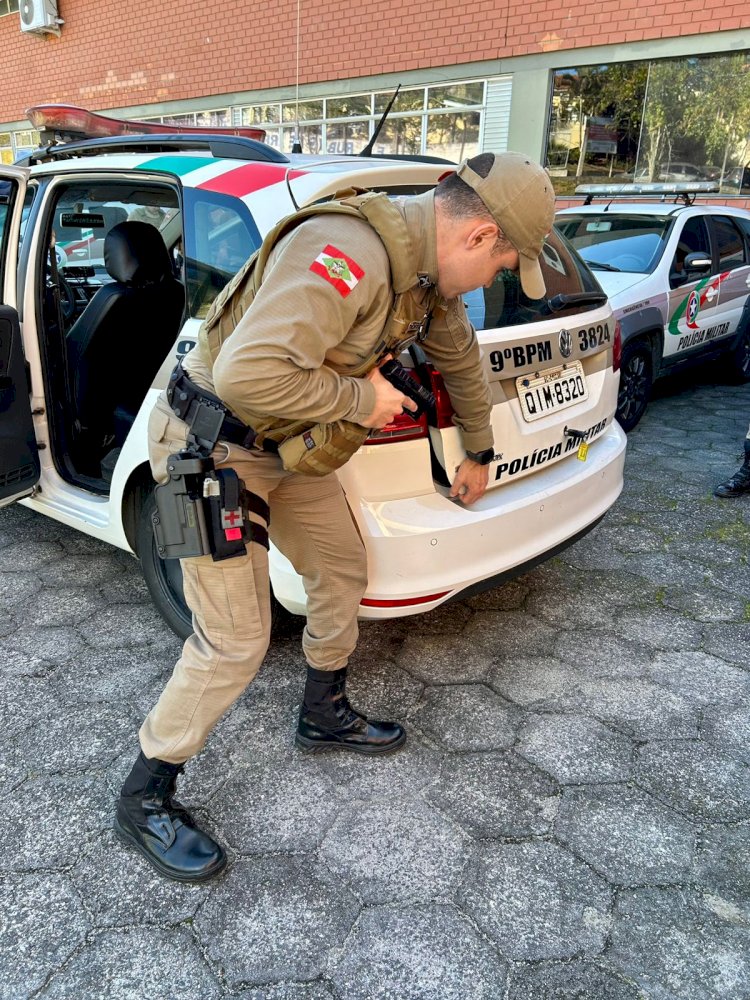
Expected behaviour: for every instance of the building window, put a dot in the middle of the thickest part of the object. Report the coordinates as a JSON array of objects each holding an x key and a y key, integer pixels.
[
  {"x": 669, "y": 120},
  {"x": 444, "y": 120},
  {"x": 8, "y": 7}
]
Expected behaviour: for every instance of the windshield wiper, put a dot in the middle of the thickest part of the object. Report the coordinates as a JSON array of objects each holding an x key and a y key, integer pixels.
[
  {"x": 599, "y": 266},
  {"x": 561, "y": 301}
]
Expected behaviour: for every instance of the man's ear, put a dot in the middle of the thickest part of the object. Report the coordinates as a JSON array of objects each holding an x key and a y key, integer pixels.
[{"x": 482, "y": 234}]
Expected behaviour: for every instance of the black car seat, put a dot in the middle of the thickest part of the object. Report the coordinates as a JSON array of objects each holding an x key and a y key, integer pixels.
[{"x": 121, "y": 339}]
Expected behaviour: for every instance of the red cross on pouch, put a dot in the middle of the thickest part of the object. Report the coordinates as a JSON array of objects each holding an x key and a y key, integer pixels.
[{"x": 230, "y": 522}]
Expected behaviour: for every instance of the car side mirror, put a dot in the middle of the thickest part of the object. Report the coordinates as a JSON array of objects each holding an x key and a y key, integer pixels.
[{"x": 698, "y": 261}]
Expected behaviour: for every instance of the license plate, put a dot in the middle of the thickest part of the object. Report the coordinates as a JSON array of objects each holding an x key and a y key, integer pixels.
[{"x": 553, "y": 390}]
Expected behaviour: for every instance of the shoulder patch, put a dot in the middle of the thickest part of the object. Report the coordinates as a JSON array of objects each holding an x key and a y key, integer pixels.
[{"x": 338, "y": 269}]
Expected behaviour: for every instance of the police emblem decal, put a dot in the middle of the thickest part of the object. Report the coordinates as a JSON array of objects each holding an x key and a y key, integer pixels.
[{"x": 565, "y": 341}]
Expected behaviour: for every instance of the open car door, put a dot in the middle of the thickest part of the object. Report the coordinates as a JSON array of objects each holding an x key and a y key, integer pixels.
[{"x": 19, "y": 457}]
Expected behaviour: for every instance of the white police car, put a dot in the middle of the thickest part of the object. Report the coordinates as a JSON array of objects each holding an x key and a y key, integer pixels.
[
  {"x": 84, "y": 352},
  {"x": 677, "y": 276}
]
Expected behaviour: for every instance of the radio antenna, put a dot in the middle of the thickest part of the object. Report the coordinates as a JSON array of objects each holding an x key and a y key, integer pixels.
[
  {"x": 367, "y": 151},
  {"x": 297, "y": 145}
]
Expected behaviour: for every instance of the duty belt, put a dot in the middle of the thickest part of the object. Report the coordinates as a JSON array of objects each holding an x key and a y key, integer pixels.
[{"x": 209, "y": 419}]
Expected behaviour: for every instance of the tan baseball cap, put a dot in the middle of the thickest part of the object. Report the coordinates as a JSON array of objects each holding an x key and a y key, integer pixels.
[{"x": 519, "y": 195}]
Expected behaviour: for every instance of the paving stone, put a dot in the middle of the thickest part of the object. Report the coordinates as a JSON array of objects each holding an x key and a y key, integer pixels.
[
  {"x": 566, "y": 607},
  {"x": 18, "y": 587},
  {"x": 730, "y": 642},
  {"x": 575, "y": 749},
  {"x": 121, "y": 888},
  {"x": 29, "y": 555},
  {"x": 428, "y": 952},
  {"x": 403, "y": 851},
  {"x": 599, "y": 654},
  {"x": 496, "y": 795},
  {"x": 285, "y": 808},
  {"x": 127, "y": 588},
  {"x": 723, "y": 867},
  {"x": 536, "y": 901},
  {"x": 706, "y": 604},
  {"x": 447, "y": 619},
  {"x": 123, "y": 624},
  {"x": 444, "y": 660},
  {"x": 588, "y": 553},
  {"x": 695, "y": 779},
  {"x": 46, "y": 822},
  {"x": 659, "y": 628},
  {"x": 701, "y": 678},
  {"x": 380, "y": 689},
  {"x": 569, "y": 981},
  {"x": 15, "y": 664},
  {"x": 637, "y": 708},
  {"x": 534, "y": 680},
  {"x": 673, "y": 946},
  {"x": 394, "y": 775},
  {"x": 288, "y": 991},
  {"x": 626, "y": 835},
  {"x": 111, "y": 675},
  {"x": 506, "y": 635},
  {"x": 70, "y": 740},
  {"x": 728, "y": 729},
  {"x": 508, "y": 596},
  {"x": 53, "y": 645},
  {"x": 467, "y": 717},
  {"x": 91, "y": 571},
  {"x": 274, "y": 920},
  {"x": 67, "y": 605},
  {"x": 120, "y": 963},
  {"x": 25, "y": 699},
  {"x": 42, "y": 921}
]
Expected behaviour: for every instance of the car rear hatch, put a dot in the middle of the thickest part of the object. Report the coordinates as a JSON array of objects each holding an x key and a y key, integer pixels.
[{"x": 550, "y": 368}]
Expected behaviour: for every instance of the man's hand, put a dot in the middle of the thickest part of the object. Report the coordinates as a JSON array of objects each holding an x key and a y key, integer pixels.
[
  {"x": 389, "y": 402},
  {"x": 470, "y": 482}
]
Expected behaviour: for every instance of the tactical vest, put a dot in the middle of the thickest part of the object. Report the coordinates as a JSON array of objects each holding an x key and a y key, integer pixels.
[{"x": 306, "y": 446}]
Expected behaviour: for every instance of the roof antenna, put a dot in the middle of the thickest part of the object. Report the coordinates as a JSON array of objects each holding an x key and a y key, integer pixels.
[
  {"x": 297, "y": 145},
  {"x": 367, "y": 151}
]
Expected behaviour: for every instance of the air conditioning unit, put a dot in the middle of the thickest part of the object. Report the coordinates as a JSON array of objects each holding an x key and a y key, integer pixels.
[{"x": 39, "y": 16}]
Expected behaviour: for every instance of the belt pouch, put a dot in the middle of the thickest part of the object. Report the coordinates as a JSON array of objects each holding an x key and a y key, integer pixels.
[{"x": 222, "y": 490}]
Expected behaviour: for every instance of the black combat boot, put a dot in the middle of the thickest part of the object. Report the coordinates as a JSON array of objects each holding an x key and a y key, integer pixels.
[
  {"x": 740, "y": 481},
  {"x": 326, "y": 719},
  {"x": 161, "y": 829}
]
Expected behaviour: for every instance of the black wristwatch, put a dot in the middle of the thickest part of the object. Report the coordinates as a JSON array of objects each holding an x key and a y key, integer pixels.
[{"x": 481, "y": 457}]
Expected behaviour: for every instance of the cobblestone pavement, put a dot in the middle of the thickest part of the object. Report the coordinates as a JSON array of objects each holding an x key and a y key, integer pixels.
[{"x": 569, "y": 819}]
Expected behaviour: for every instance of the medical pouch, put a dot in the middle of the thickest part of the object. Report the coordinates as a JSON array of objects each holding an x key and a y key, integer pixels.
[{"x": 222, "y": 490}]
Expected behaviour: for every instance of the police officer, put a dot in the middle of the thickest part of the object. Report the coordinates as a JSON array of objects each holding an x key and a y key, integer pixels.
[
  {"x": 740, "y": 481},
  {"x": 325, "y": 297}
]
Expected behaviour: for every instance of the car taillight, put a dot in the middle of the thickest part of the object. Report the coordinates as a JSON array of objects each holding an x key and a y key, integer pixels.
[
  {"x": 405, "y": 428},
  {"x": 617, "y": 347},
  {"x": 443, "y": 406},
  {"x": 402, "y": 428}
]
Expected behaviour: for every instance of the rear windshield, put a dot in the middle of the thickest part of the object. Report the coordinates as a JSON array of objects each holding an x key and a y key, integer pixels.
[
  {"x": 504, "y": 303},
  {"x": 631, "y": 243}
]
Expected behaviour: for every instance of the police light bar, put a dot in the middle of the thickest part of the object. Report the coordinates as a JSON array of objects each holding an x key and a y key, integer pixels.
[
  {"x": 683, "y": 187},
  {"x": 65, "y": 122}
]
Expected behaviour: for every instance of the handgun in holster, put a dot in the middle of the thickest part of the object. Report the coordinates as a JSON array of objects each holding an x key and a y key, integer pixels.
[{"x": 201, "y": 510}]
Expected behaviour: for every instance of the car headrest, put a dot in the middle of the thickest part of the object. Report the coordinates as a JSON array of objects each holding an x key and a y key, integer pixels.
[{"x": 135, "y": 254}]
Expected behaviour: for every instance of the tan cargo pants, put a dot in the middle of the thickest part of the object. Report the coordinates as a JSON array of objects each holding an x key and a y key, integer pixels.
[{"x": 230, "y": 600}]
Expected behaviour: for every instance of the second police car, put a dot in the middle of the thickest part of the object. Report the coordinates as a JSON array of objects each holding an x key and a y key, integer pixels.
[
  {"x": 98, "y": 346},
  {"x": 677, "y": 276}
]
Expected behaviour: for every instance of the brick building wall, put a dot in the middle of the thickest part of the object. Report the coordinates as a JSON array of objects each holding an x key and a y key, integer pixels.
[{"x": 112, "y": 54}]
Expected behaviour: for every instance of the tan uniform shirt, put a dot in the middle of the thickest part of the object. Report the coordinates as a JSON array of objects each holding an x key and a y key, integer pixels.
[{"x": 275, "y": 361}]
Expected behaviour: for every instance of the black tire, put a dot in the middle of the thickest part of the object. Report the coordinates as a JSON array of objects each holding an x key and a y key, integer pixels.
[
  {"x": 737, "y": 363},
  {"x": 636, "y": 380},
  {"x": 164, "y": 581}
]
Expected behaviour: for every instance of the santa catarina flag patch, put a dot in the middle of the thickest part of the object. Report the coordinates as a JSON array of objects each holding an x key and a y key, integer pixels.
[{"x": 341, "y": 271}]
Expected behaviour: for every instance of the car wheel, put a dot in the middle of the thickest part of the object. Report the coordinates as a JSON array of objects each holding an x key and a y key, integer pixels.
[
  {"x": 636, "y": 379},
  {"x": 164, "y": 581},
  {"x": 738, "y": 362}
]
